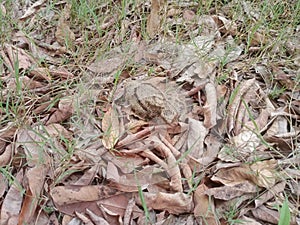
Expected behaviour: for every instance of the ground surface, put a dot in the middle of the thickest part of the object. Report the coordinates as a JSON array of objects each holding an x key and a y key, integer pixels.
[{"x": 149, "y": 112}]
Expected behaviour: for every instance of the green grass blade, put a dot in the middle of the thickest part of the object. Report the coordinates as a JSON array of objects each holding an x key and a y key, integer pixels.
[{"x": 285, "y": 215}]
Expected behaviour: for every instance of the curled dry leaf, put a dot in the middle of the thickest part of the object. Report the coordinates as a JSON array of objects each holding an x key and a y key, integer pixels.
[{"x": 172, "y": 167}]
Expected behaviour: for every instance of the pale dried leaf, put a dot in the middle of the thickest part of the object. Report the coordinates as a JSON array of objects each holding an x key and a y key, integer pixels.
[
  {"x": 233, "y": 107},
  {"x": 32, "y": 9},
  {"x": 230, "y": 192},
  {"x": 131, "y": 182},
  {"x": 6, "y": 156},
  {"x": 20, "y": 57},
  {"x": 249, "y": 221},
  {"x": 210, "y": 107},
  {"x": 174, "y": 203},
  {"x": 266, "y": 215},
  {"x": 96, "y": 219},
  {"x": 271, "y": 193},
  {"x": 243, "y": 145},
  {"x": 196, "y": 136},
  {"x": 111, "y": 128},
  {"x": 56, "y": 130}
]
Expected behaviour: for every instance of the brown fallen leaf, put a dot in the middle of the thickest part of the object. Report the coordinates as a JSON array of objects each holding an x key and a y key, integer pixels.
[
  {"x": 153, "y": 21},
  {"x": 23, "y": 59},
  {"x": 12, "y": 202},
  {"x": 64, "y": 35},
  {"x": 265, "y": 214},
  {"x": 204, "y": 209},
  {"x": 63, "y": 195},
  {"x": 131, "y": 182},
  {"x": 96, "y": 219},
  {"x": 64, "y": 111},
  {"x": 261, "y": 173},
  {"x": 55, "y": 130}
]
